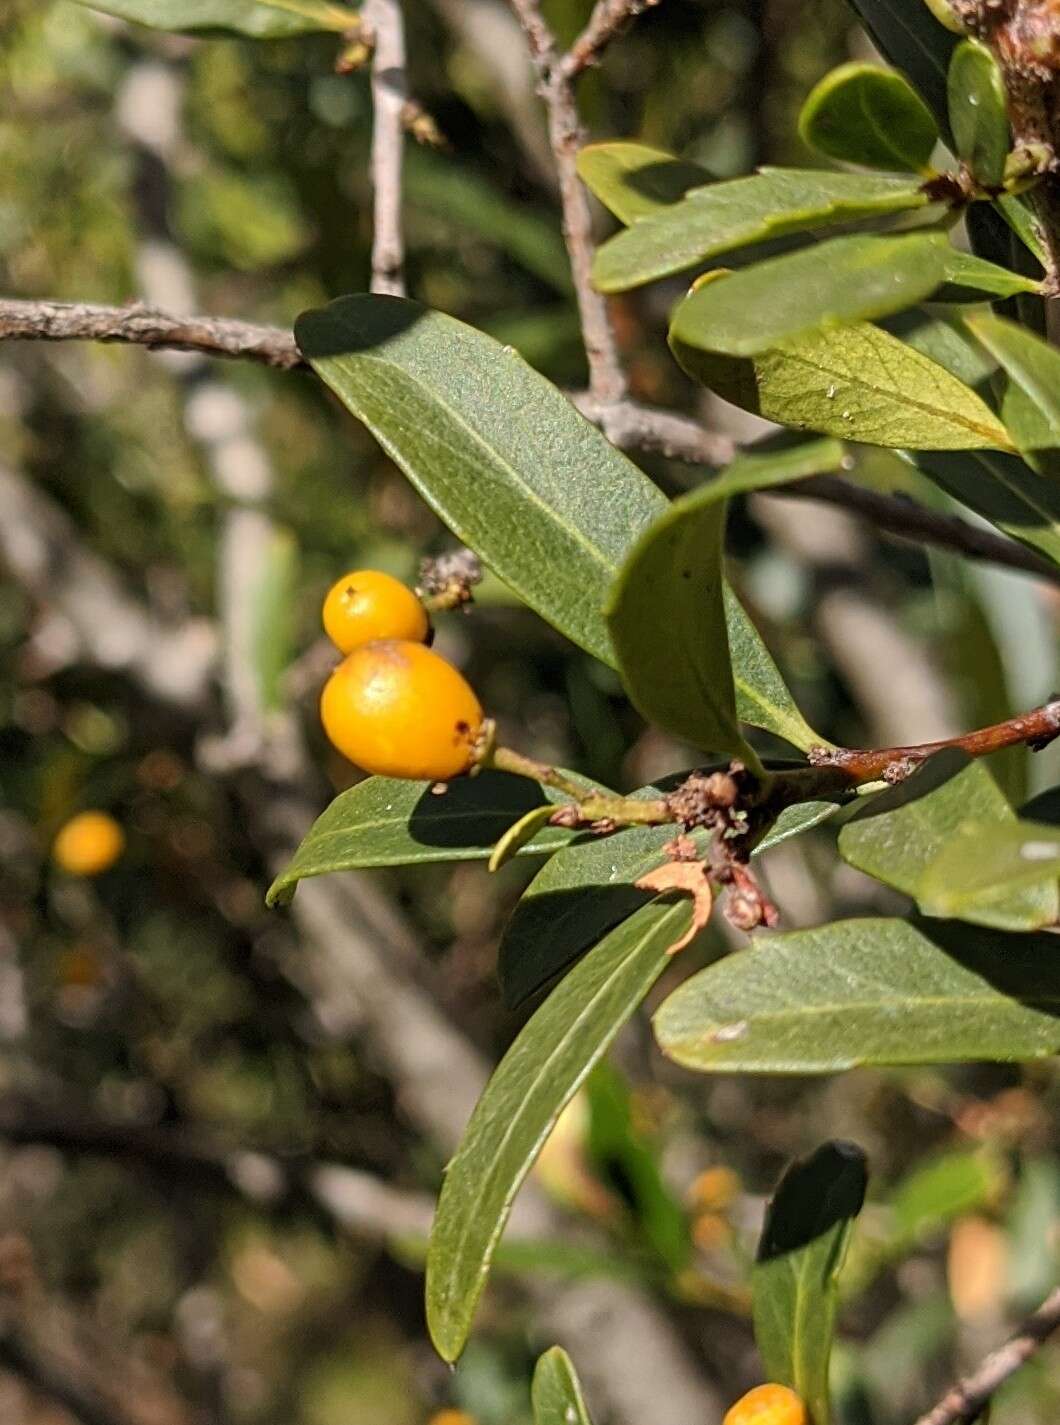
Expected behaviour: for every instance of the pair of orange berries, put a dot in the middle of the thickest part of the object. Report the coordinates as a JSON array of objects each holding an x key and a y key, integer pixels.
[{"x": 393, "y": 706}]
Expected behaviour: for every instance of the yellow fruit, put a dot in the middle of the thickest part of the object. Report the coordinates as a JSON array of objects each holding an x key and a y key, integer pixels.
[
  {"x": 88, "y": 844},
  {"x": 452, "y": 1417},
  {"x": 767, "y": 1405},
  {"x": 365, "y": 605},
  {"x": 399, "y": 710}
]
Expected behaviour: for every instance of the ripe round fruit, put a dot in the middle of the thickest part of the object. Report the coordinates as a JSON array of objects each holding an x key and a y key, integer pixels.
[
  {"x": 400, "y": 710},
  {"x": 767, "y": 1405},
  {"x": 89, "y": 843},
  {"x": 366, "y": 604}
]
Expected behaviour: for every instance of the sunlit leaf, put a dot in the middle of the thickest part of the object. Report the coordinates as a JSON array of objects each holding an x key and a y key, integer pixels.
[
  {"x": 383, "y": 821},
  {"x": 556, "y": 1394},
  {"x": 861, "y": 113},
  {"x": 849, "y": 279},
  {"x": 742, "y": 211},
  {"x": 988, "y": 866},
  {"x": 872, "y": 991},
  {"x": 903, "y": 832},
  {"x": 856, "y": 382},
  {"x": 635, "y": 181},
  {"x": 978, "y": 111},
  {"x": 259, "y": 19}
]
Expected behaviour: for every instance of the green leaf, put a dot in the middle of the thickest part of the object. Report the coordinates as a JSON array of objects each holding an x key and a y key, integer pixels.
[
  {"x": 636, "y": 181},
  {"x": 794, "y": 1281},
  {"x": 742, "y": 211},
  {"x": 386, "y": 822},
  {"x": 911, "y": 38},
  {"x": 856, "y": 382},
  {"x": 978, "y": 112},
  {"x": 901, "y": 833},
  {"x": 511, "y": 467},
  {"x": 989, "y": 868},
  {"x": 621, "y": 1151},
  {"x": 848, "y": 279},
  {"x": 1004, "y": 490},
  {"x": 259, "y": 19},
  {"x": 873, "y": 991},
  {"x": 536, "y": 1079},
  {"x": 520, "y": 835},
  {"x": 860, "y": 113},
  {"x": 1034, "y": 366},
  {"x": 971, "y": 279},
  {"x": 556, "y": 1395},
  {"x": 588, "y": 887},
  {"x": 672, "y": 579}
]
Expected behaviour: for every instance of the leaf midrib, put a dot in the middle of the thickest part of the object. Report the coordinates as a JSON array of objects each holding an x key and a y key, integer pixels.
[{"x": 491, "y": 1177}]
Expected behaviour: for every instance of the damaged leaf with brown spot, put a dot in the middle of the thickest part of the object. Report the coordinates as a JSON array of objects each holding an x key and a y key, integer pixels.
[{"x": 690, "y": 876}]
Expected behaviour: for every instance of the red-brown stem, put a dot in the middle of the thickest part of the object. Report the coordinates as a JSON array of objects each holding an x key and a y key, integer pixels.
[{"x": 1036, "y": 729}]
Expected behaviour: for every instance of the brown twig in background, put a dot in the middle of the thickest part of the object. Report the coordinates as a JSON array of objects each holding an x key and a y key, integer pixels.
[
  {"x": 385, "y": 24},
  {"x": 607, "y": 380},
  {"x": 609, "y": 18},
  {"x": 140, "y": 325},
  {"x": 51, "y": 1379},
  {"x": 966, "y": 1400}
]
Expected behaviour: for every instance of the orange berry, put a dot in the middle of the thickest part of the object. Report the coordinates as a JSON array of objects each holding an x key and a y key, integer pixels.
[
  {"x": 451, "y": 1417},
  {"x": 400, "y": 710},
  {"x": 366, "y": 604},
  {"x": 88, "y": 844},
  {"x": 767, "y": 1405}
]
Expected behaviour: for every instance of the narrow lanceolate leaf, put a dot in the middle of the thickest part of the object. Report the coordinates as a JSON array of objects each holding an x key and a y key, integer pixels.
[
  {"x": 635, "y": 181},
  {"x": 901, "y": 835},
  {"x": 509, "y": 465},
  {"x": 794, "y": 1286},
  {"x": 259, "y": 19},
  {"x": 860, "y": 113},
  {"x": 556, "y": 1394},
  {"x": 849, "y": 279},
  {"x": 856, "y": 382},
  {"x": 871, "y": 991},
  {"x": 589, "y": 886},
  {"x": 978, "y": 112},
  {"x": 909, "y": 36},
  {"x": 673, "y": 580},
  {"x": 1004, "y": 490},
  {"x": 724, "y": 216},
  {"x": 1034, "y": 366},
  {"x": 386, "y": 822},
  {"x": 535, "y": 1080},
  {"x": 987, "y": 866},
  {"x": 971, "y": 279}
]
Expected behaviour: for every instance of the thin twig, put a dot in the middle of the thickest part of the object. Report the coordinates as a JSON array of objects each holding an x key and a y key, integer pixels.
[
  {"x": 384, "y": 21},
  {"x": 966, "y": 1401},
  {"x": 632, "y": 426},
  {"x": 607, "y": 380},
  {"x": 140, "y": 325},
  {"x": 54, "y": 1379},
  {"x": 609, "y": 17},
  {"x": 1035, "y": 729}
]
